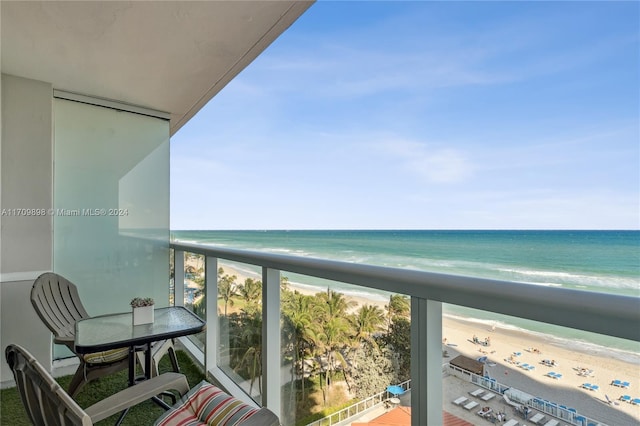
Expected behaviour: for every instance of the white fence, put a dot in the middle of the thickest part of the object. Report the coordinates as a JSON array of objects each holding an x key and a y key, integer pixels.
[
  {"x": 562, "y": 412},
  {"x": 358, "y": 408}
]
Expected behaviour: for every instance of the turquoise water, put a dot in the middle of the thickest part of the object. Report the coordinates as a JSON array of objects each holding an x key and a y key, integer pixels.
[{"x": 603, "y": 261}]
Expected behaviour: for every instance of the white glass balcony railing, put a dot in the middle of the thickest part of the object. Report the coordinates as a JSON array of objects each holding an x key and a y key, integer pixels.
[{"x": 605, "y": 314}]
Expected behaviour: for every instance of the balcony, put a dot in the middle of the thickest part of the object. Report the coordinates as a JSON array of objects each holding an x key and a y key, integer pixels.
[
  {"x": 610, "y": 315},
  {"x": 44, "y": 93}
]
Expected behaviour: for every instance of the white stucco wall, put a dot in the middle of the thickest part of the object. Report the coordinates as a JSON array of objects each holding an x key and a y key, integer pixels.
[{"x": 26, "y": 171}]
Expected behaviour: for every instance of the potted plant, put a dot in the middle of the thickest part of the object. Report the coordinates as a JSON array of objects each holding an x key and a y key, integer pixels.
[{"x": 142, "y": 310}]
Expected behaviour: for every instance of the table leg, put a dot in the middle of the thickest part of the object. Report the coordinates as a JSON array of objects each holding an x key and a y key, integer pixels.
[
  {"x": 147, "y": 375},
  {"x": 132, "y": 365},
  {"x": 147, "y": 361}
]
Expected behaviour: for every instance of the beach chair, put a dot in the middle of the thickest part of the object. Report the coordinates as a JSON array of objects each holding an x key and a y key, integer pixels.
[
  {"x": 57, "y": 303},
  {"x": 635, "y": 401},
  {"x": 471, "y": 405},
  {"x": 610, "y": 401},
  {"x": 488, "y": 396},
  {"x": 47, "y": 403},
  {"x": 460, "y": 400},
  {"x": 537, "y": 418},
  {"x": 625, "y": 398},
  {"x": 594, "y": 388},
  {"x": 477, "y": 392},
  {"x": 586, "y": 386},
  {"x": 207, "y": 404},
  {"x": 558, "y": 376}
]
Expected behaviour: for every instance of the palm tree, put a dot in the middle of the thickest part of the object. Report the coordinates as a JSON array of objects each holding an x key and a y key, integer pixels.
[
  {"x": 336, "y": 332},
  {"x": 249, "y": 348},
  {"x": 316, "y": 348},
  {"x": 399, "y": 306},
  {"x": 226, "y": 288},
  {"x": 335, "y": 303},
  {"x": 251, "y": 293},
  {"x": 331, "y": 310},
  {"x": 284, "y": 284},
  {"x": 297, "y": 308},
  {"x": 367, "y": 320}
]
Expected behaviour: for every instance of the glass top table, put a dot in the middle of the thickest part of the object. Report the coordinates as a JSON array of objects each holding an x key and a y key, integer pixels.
[{"x": 113, "y": 331}]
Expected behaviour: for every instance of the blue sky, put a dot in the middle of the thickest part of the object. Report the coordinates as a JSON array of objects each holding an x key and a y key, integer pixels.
[{"x": 424, "y": 115}]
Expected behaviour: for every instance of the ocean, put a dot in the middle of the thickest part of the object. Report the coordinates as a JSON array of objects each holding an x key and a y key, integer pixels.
[{"x": 602, "y": 261}]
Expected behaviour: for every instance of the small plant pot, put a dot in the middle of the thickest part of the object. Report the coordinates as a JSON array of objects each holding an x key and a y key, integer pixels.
[{"x": 143, "y": 315}]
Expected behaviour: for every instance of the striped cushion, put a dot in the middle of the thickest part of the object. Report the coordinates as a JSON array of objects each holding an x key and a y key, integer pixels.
[
  {"x": 106, "y": 357},
  {"x": 206, "y": 404}
]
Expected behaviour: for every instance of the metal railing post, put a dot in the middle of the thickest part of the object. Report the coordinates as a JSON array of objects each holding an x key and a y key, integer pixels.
[
  {"x": 426, "y": 362},
  {"x": 178, "y": 277},
  {"x": 271, "y": 346},
  {"x": 211, "y": 309}
]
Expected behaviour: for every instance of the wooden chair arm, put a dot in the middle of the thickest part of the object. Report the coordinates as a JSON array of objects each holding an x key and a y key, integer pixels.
[{"x": 136, "y": 394}]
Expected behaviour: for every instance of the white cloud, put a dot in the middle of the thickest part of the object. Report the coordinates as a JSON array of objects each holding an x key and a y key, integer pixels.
[{"x": 435, "y": 165}]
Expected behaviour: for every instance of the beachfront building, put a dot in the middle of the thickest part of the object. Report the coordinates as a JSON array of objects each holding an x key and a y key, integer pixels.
[{"x": 91, "y": 94}]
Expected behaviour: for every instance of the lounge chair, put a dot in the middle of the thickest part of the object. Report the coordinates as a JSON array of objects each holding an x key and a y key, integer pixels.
[
  {"x": 57, "y": 303},
  {"x": 538, "y": 418},
  {"x": 625, "y": 398},
  {"x": 488, "y": 396},
  {"x": 585, "y": 373},
  {"x": 47, "y": 403},
  {"x": 610, "y": 401},
  {"x": 477, "y": 392},
  {"x": 635, "y": 401},
  {"x": 471, "y": 405},
  {"x": 460, "y": 400},
  {"x": 208, "y": 404}
]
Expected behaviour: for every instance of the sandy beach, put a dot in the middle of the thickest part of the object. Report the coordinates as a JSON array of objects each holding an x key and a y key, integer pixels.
[
  {"x": 512, "y": 347},
  {"x": 566, "y": 390}
]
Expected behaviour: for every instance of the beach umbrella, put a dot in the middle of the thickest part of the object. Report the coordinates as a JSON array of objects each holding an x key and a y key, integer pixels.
[{"x": 395, "y": 390}]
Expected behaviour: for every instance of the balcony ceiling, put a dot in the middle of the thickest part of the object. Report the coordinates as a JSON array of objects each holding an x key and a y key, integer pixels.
[{"x": 170, "y": 56}]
